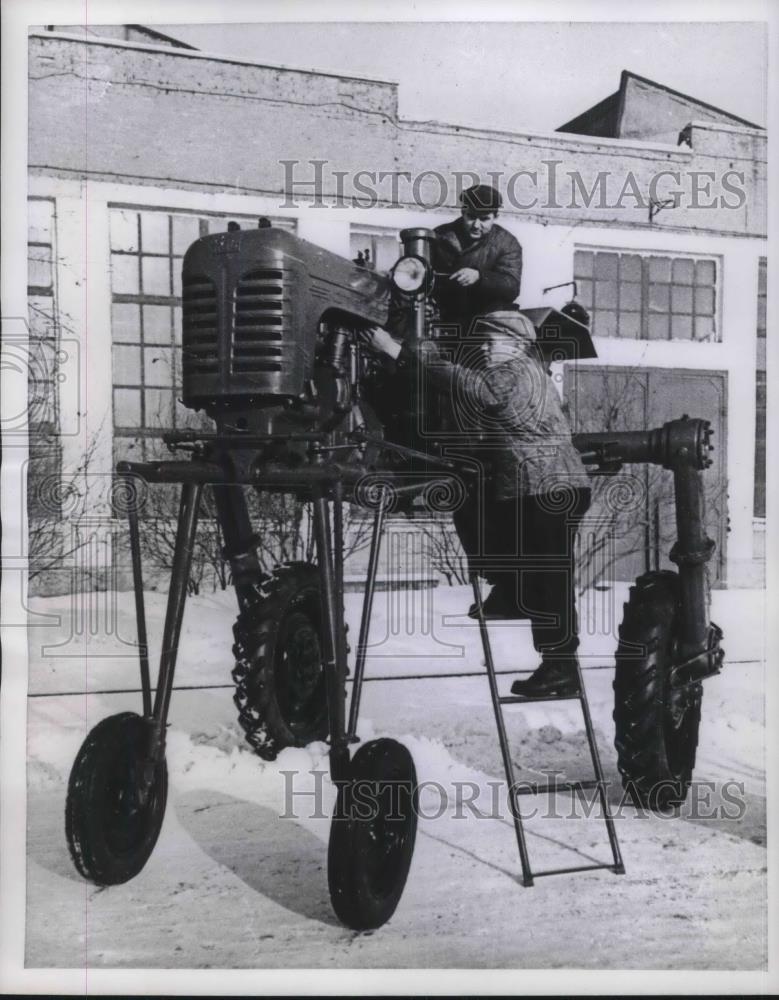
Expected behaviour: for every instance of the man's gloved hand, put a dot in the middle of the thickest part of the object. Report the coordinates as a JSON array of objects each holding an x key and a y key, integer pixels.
[{"x": 465, "y": 277}]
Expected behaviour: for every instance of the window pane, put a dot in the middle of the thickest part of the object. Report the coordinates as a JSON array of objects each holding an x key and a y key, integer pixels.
[
  {"x": 584, "y": 292},
  {"x": 630, "y": 325},
  {"x": 605, "y": 324},
  {"x": 704, "y": 272},
  {"x": 704, "y": 301},
  {"x": 605, "y": 295},
  {"x": 157, "y": 366},
  {"x": 683, "y": 271},
  {"x": 124, "y": 274},
  {"x": 128, "y": 449},
  {"x": 127, "y": 365},
  {"x": 387, "y": 249},
  {"x": 156, "y": 275},
  {"x": 186, "y": 229},
  {"x": 681, "y": 299},
  {"x": 126, "y": 322},
  {"x": 39, "y": 221},
  {"x": 127, "y": 407},
  {"x": 39, "y": 266},
  {"x": 156, "y": 325},
  {"x": 177, "y": 324},
  {"x": 681, "y": 327},
  {"x": 177, "y": 294},
  {"x": 606, "y": 265},
  {"x": 582, "y": 264},
  {"x": 659, "y": 269},
  {"x": 124, "y": 230},
  {"x": 762, "y": 281},
  {"x": 704, "y": 328},
  {"x": 659, "y": 298},
  {"x": 630, "y": 297},
  {"x": 630, "y": 267},
  {"x": 159, "y": 408},
  {"x": 658, "y": 327},
  {"x": 40, "y": 312},
  {"x": 154, "y": 232}
]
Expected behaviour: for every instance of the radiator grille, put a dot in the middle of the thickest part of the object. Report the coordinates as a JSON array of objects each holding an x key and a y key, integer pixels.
[
  {"x": 259, "y": 322},
  {"x": 200, "y": 328}
]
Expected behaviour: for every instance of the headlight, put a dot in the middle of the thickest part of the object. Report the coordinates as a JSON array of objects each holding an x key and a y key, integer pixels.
[{"x": 409, "y": 274}]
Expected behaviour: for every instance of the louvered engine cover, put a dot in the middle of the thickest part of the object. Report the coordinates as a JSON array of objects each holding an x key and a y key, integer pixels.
[{"x": 252, "y": 304}]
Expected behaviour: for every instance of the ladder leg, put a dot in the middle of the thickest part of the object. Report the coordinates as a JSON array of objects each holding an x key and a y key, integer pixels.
[
  {"x": 508, "y": 766},
  {"x": 619, "y": 866}
]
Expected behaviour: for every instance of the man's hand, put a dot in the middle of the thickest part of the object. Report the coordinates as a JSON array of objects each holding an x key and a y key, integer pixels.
[
  {"x": 465, "y": 277},
  {"x": 380, "y": 340}
]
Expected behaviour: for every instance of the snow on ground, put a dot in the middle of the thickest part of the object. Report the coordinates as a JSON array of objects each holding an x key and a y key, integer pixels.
[{"x": 232, "y": 884}]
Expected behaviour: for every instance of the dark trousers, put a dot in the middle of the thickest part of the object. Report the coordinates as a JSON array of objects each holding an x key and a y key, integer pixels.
[{"x": 526, "y": 549}]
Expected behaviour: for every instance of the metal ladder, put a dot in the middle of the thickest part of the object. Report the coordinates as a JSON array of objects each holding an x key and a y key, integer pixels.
[{"x": 515, "y": 791}]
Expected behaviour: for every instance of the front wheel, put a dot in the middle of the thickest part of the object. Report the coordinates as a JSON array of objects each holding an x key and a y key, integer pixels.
[
  {"x": 279, "y": 673},
  {"x": 112, "y": 820},
  {"x": 372, "y": 835}
]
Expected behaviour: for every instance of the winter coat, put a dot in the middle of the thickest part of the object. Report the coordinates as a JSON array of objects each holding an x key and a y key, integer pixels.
[
  {"x": 498, "y": 259},
  {"x": 509, "y": 415}
]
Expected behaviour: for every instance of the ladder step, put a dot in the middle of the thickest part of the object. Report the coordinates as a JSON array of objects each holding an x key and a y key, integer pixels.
[
  {"x": 567, "y": 871},
  {"x": 519, "y": 699},
  {"x": 561, "y": 786}
]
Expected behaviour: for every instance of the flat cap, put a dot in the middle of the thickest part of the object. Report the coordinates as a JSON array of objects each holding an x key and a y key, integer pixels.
[{"x": 481, "y": 198}]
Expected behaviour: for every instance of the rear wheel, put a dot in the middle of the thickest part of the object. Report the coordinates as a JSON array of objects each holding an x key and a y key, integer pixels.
[
  {"x": 279, "y": 662},
  {"x": 372, "y": 835},
  {"x": 111, "y": 820},
  {"x": 656, "y": 721}
]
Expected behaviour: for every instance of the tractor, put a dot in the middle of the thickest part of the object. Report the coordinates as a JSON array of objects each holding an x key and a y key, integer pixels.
[{"x": 273, "y": 353}]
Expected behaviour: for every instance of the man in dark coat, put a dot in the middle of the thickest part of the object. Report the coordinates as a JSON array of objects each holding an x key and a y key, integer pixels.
[{"x": 478, "y": 262}]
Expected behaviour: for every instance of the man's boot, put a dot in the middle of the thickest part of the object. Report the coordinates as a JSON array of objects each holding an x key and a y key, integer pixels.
[{"x": 554, "y": 677}]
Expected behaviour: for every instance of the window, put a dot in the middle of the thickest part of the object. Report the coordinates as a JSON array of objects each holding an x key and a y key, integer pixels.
[
  {"x": 45, "y": 451},
  {"x": 382, "y": 246},
  {"x": 760, "y": 390},
  {"x": 147, "y": 249},
  {"x": 648, "y": 297},
  {"x": 41, "y": 314}
]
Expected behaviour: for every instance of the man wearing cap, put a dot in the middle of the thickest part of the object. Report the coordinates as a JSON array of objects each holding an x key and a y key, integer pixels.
[{"x": 478, "y": 262}]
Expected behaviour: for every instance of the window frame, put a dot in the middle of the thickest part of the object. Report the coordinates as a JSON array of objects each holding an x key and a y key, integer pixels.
[{"x": 646, "y": 284}]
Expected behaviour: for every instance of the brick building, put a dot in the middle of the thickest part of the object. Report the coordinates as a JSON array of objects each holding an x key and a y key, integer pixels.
[{"x": 137, "y": 145}]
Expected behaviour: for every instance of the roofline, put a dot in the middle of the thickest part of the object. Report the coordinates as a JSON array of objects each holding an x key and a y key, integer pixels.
[
  {"x": 159, "y": 34},
  {"x": 192, "y": 53},
  {"x": 626, "y": 73},
  {"x": 588, "y": 111}
]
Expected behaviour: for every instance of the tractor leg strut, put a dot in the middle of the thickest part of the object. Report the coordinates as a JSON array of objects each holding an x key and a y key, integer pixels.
[
  {"x": 140, "y": 611},
  {"x": 333, "y": 627},
  {"x": 182, "y": 562},
  {"x": 365, "y": 621},
  {"x": 238, "y": 539},
  {"x": 691, "y": 552}
]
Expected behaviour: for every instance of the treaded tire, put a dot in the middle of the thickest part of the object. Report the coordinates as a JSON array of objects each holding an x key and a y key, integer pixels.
[
  {"x": 279, "y": 669},
  {"x": 372, "y": 835},
  {"x": 110, "y": 832},
  {"x": 656, "y": 725}
]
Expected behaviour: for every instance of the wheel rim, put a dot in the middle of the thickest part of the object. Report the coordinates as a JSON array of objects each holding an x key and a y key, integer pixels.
[
  {"x": 300, "y": 670},
  {"x": 679, "y": 722},
  {"x": 126, "y": 814},
  {"x": 385, "y": 839}
]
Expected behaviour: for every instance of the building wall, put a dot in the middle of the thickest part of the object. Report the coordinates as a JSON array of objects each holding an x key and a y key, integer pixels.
[{"x": 184, "y": 132}]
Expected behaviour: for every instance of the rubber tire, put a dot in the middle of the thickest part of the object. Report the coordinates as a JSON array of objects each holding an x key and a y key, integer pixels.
[
  {"x": 369, "y": 857},
  {"x": 288, "y": 606},
  {"x": 111, "y": 836},
  {"x": 656, "y": 727}
]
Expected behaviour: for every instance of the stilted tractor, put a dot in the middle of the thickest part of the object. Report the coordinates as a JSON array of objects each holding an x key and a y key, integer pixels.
[{"x": 273, "y": 353}]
